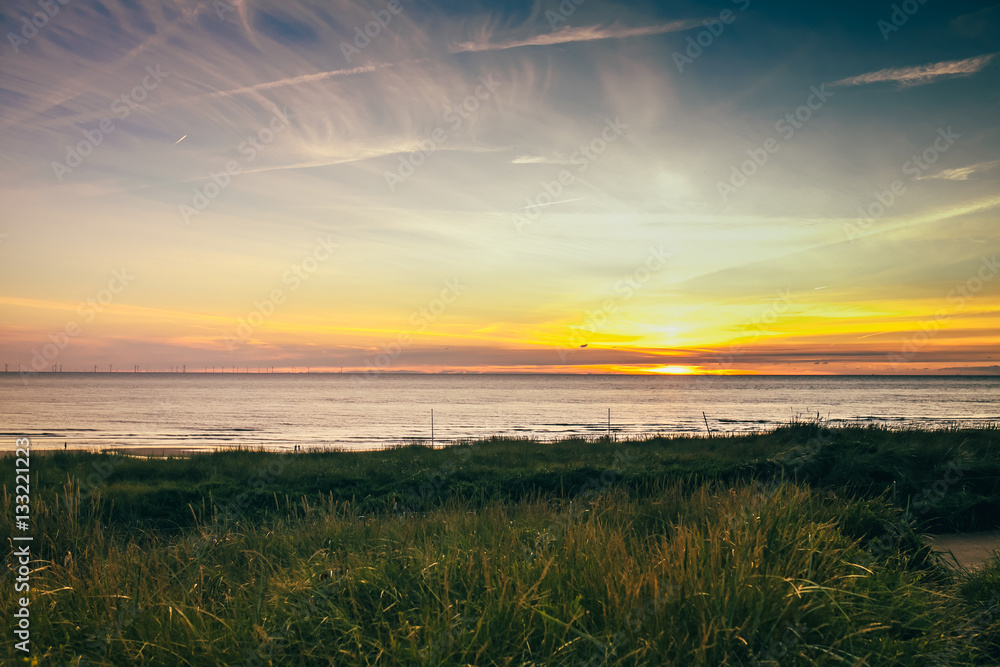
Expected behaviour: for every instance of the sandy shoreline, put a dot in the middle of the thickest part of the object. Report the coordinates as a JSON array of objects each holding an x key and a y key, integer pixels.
[
  {"x": 965, "y": 550},
  {"x": 158, "y": 452}
]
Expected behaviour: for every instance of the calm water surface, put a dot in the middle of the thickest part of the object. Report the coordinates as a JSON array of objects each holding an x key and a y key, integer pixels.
[{"x": 197, "y": 410}]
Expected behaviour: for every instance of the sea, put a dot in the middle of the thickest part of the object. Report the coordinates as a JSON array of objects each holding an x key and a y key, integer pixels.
[{"x": 204, "y": 411}]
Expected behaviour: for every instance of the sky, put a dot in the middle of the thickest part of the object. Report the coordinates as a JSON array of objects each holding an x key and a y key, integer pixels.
[{"x": 579, "y": 186}]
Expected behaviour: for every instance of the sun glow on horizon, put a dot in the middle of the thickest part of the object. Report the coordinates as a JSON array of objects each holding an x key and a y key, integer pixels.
[{"x": 675, "y": 369}]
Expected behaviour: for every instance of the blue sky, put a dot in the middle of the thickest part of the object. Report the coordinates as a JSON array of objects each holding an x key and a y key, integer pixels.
[{"x": 288, "y": 194}]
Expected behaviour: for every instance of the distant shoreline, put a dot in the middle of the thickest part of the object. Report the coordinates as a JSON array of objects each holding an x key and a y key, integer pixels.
[{"x": 519, "y": 374}]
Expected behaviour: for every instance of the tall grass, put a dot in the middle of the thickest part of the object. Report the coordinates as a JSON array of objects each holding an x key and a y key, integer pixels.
[
  {"x": 689, "y": 574},
  {"x": 862, "y": 462},
  {"x": 741, "y": 550}
]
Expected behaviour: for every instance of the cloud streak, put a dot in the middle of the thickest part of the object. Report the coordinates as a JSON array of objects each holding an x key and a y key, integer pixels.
[
  {"x": 921, "y": 75},
  {"x": 961, "y": 173},
  {"x": 294, "y": 80},
  {"x": 569, "y": 34}
]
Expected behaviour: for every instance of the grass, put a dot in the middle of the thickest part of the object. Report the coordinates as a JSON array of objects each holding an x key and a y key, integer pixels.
[{"x": 796, "y": 547}]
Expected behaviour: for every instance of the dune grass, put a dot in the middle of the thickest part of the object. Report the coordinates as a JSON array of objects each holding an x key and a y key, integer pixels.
[
  {"x": 760, "y": 550},
  {"x": 155, "y": 493}
]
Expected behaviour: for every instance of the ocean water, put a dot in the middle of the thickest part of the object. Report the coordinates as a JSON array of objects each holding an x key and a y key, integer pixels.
[{"x": 204, "y": 411}]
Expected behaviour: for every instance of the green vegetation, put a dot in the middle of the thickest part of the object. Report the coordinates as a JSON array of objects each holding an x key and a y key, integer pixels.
[{"x": 795, "y": 547}]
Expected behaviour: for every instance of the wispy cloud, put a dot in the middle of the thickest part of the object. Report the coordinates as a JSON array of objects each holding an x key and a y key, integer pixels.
[
  {"x": 570, "y": 34},
  {"x": 923, "y": 74},
  {"x": 530, "y": 159},
  {"x": 961, "y": 173},
  {"x": 540, "y": 159},
  {"x": 562, "y": 201},
  {"x": 295, "y": 80}
]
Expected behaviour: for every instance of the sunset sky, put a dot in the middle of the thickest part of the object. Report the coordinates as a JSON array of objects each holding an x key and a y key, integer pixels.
[{"x": 728, "y": 187}]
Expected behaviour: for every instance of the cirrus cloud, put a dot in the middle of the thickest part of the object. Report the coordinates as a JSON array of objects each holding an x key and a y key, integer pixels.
[
  {"x": 569, "y": 34},
  {"x": 961, "y": 173},
  {"x": 920, "y": 75}
]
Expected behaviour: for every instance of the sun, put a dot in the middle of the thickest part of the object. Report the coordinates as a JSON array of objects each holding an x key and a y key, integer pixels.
[{"x": 676, "y": 370}]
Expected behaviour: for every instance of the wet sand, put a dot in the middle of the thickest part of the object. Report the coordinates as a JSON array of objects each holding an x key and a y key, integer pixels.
[{"x": 158, "y": 452}]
